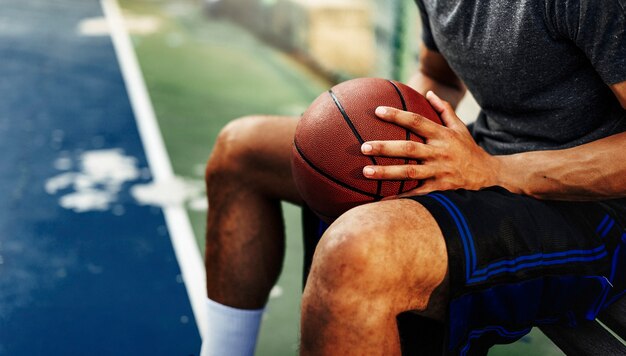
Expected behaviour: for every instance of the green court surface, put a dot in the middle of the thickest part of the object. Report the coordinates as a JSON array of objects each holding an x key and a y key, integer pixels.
[{"x": 202, "y": 72}]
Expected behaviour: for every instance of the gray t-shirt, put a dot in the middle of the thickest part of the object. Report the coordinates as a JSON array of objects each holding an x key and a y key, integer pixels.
[{"x": 539, "y": 69}]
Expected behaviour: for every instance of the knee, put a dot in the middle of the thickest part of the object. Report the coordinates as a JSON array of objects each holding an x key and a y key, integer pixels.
[
  {"x": 364, "y": 250},
  {"x": 348, "y": 251},
  {"x": 233, "y": 149},
  {"x": 343, "y": 256}
]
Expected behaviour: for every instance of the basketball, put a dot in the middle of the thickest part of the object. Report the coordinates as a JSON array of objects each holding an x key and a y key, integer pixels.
[{"x": 327, "y": 162}]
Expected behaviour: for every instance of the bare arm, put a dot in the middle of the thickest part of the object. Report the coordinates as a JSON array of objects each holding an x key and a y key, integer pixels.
[
  {"x": 587, "y": 172},
  {"x": 450, "y": 159}
]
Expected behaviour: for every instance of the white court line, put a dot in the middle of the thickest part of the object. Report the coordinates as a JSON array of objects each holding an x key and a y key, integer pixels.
[{"x": 181, "y": 233}]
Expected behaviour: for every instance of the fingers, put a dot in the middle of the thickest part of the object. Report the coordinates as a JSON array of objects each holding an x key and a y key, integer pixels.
[
  {"x": 442, "y": 156},
  {"x": 418, "y": 123},
  {"x": 412, "y": 121},
  {"x": 398, "y": 172},
  {"x": 401, "y": 149}
]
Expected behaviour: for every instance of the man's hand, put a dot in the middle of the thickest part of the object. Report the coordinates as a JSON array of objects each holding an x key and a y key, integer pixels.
[{"x": 450, "y": 159}]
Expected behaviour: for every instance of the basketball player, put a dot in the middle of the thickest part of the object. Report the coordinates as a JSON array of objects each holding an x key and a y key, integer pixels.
[{"x": 520, "y": 220}]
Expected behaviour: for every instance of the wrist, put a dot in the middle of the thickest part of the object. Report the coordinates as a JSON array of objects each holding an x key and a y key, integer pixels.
[{"x": 508, "y": 173}]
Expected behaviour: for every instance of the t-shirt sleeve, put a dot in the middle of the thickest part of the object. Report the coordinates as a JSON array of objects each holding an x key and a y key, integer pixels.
[
  {"x": 427, "y": 35},
  {"x": 598, "y": 28}
]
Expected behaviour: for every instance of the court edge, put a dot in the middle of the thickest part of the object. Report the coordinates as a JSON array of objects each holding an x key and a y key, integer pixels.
[{"x": 177, "y": 220}]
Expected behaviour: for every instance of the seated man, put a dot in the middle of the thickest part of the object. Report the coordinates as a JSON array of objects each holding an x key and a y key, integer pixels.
[{"x": 517, "y": 223}]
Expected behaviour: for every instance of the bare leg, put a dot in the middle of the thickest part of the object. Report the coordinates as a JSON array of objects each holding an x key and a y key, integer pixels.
[
  {"x": 373, "y": 263},
  {"x": 247, "y": 176}
]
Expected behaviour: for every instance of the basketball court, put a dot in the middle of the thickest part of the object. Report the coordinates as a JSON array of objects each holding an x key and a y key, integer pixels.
[{"x": 106, "y": 120}]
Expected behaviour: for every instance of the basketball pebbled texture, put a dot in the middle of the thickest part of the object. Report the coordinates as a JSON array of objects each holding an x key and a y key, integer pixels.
[{"x": 327, "y": 162}]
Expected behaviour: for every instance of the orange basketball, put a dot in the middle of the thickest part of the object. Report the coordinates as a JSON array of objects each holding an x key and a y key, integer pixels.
[{"x": 327, "y": 162}]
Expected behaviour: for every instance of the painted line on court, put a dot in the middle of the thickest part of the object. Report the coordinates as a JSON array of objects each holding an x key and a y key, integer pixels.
[{"x": 177, "y": 220}]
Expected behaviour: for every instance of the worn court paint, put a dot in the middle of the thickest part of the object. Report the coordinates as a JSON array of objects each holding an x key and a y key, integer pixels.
[{"x": 77, "y": 281}]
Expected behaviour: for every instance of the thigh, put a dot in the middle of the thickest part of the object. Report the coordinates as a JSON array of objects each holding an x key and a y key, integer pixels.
[
  {"x": 494, "y": 236},
  {"x": 515, "y": 262}
]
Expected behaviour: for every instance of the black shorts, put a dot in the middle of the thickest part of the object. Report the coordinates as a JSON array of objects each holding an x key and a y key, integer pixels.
[{"x": 517, "y": 262}]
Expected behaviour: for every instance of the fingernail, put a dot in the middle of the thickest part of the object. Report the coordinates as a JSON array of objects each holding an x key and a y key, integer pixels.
[
  {"x": 381, "y": 110},
  {"x": 368, "y": 171},
  {"x": 366, "y": 148}
]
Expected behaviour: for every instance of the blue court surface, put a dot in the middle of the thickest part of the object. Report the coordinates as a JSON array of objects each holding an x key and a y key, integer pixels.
[{"x": 85, "y": 268}]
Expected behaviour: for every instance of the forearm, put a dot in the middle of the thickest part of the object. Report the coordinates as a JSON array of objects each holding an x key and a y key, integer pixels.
[{"x": 593, "y": 171}]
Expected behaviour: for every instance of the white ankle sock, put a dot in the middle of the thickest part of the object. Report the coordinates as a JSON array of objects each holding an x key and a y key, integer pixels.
[{"x": 231, "y": 331}]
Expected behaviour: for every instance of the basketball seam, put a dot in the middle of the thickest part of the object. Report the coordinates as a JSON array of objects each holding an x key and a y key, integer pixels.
[
  {"x": 407, "y": 132},
  {"x": 346, "y": 118},
  {"x": 331, "y": 178}
]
